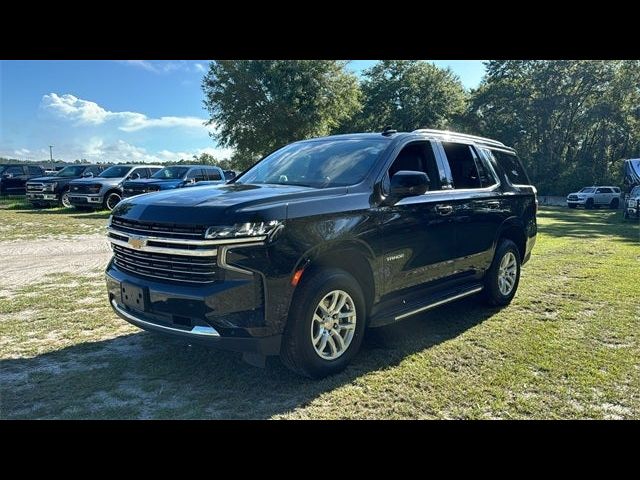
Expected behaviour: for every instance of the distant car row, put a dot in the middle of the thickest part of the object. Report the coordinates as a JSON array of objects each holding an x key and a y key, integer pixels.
[
  {"x": 100, "y": 186},
  {"x": 608, "y": 197}
]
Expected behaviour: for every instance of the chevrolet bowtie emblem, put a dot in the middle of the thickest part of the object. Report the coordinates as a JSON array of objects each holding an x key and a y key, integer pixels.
[{"x": 137, "y": 242}]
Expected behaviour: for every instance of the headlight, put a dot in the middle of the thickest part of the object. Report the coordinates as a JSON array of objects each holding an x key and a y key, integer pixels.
[
  {"x": 49, "y": 187},
  {"x": 580, "y": 197},
  {"x": 258, "y": 229}
]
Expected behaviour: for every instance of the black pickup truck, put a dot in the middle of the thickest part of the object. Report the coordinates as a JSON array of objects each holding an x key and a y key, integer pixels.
[
  {"x": 322, "y": 238},
  {"x": 13, "y": 178},
  {"x": 54, "y": 189}
]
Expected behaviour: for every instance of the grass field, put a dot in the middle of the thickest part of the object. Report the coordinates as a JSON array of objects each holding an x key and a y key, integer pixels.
[{"x": 567, "y": 347}]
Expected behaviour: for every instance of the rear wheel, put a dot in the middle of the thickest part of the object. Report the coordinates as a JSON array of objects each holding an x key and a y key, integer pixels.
[
  {"x": 502, "y": 278},
  {"x": 326, "y": 324},
  {"x": 112, "y": 199},
  {"x": 589, "y": 204},
  {"x": 614, "y": 204}
]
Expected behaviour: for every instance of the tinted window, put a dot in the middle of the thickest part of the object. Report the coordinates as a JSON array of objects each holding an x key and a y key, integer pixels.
[
  {"x": 418, "y": 157},
  {"x": 71, "y": 171},
  {"x": 143, "y": 172},
  {"x": 587, "y": 190},
  {"x": 171, "y": 173},
  {"x": 13, "y": 170},
  {"x": 34, "y": 171},
  {"x": 153, "y": 170},
  {"x": 512, "y": 167},
  {"x": 463, "y": 165},
  {"x": 604, "y": 190},
  {"x": 193, "y": 173},
  {"x": 487, "y": 179},
  {"x": 213, "y": 174},
  {"x": 318, "y": 163},
  {"x": 116, "y": 171},
  {"x": 636, "y": 190}
]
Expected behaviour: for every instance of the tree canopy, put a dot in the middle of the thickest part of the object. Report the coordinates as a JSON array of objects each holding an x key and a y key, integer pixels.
[{"x": 258, "y": 106}]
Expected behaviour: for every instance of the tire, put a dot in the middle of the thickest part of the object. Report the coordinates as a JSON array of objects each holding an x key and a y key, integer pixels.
[
  {"x": 614, "y": 204},
  {"x": 572, "y": 205},
  {"x": 64, "y": 199},
  {"x": 111, "y": 199},
  {"x": 589, "y": 204},
  {"x": 494, "y": 294},
  {"x": 299, "y": 352}
]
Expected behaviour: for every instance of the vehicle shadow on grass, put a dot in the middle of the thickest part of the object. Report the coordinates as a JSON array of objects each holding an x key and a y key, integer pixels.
[
  {"x": 143, "y": 375},
  {"x": 588, "y": 224}
]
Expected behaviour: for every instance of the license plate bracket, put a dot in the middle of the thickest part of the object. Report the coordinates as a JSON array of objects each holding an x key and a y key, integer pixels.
[{"x": 133, "y": 296}]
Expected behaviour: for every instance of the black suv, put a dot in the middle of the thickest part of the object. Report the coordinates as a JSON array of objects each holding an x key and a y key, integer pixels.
[
  {"x": 322, "y": 238},
  {"x": 13, "y": 178},
  {"x": 54, "y": 189}
]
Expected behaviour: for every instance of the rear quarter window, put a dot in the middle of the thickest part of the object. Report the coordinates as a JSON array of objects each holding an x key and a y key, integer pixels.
[{"x": 512, "y": 167}]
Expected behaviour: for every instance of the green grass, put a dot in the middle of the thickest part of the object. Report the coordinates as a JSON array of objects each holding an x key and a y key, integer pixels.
[
  {"x": 567, "y": 347},
  {"x": 19, "y": 220}
]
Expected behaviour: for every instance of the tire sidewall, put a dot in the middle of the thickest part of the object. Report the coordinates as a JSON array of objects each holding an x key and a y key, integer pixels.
[
  {"x": 106, "y": 200},
  {"x": 492, "y": 290},
  {"x": 301, "y": 318},
  {"x": 62, "y": 196}
]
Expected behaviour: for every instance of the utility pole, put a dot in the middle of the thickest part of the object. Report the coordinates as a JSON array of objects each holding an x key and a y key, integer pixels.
[{"x": 51, "y": 152}]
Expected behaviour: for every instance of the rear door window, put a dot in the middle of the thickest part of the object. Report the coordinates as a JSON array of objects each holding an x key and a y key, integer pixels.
[
  {"x": 512, "y": 167},
  {"x": 213, "y": 174},
  {"x": 463, "y": 166}
]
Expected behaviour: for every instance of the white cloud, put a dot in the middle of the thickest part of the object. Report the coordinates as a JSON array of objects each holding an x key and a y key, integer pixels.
[
  {"x": 22, "y": 152},
  {"x": 85, "y": 112},
  {"x": 199, "y": 67},
  {"x": 162, "y": 66}
]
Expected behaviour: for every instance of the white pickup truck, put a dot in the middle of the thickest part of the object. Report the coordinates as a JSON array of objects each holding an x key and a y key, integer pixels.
[{"x": 594, "y": 197}]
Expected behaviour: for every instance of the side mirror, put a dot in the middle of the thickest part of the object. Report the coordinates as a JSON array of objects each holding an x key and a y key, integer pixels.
[
  {"x": 134, "y": 176},
  {"x": 7, "y": 175},
  {"x": 407, "y": 183},
  {"x": 191, "y": 181},
  {"x": 88, "y": 175}
]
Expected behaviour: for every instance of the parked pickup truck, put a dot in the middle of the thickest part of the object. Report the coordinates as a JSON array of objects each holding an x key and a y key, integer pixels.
[
  {"x": 322, "y": 238},
  {"x": 105, "y": 190},
  {"x": 54, "y": 189},
  {"x": 594, "y": 197},
  {"x": 175, "y": 176},
  {"x": 13, "y": 178},
  {"x": 632, "y": 208}
]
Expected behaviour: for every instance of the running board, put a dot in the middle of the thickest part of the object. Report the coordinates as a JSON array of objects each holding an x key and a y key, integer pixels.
[{"x": 387, "y": 318}]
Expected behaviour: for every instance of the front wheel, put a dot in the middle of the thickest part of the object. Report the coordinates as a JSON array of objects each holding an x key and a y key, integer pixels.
[
  {"x": 326, "y": 324},
  {"x": 112, "y": 200},
  {"x": 502, "y": 278},
  {"x": 64, "y": 199}
]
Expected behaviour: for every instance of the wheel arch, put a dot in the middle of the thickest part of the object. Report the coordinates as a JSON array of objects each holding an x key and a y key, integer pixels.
[{"x": 513, "y": 229}]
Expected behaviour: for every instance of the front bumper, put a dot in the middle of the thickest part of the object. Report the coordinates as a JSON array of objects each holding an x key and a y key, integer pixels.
[
  {"x": 42, "y": 197},
  {"x": 576, "y": 202},
  {"x": 219, "y": 315},
  {"x": 83, "y": 200}
]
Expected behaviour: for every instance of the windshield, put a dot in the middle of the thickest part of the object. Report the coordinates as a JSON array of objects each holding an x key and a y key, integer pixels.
[
  {"x": 318, "y": 164},
  {"x": 635, "y": 191},
  {"x": 115, "y": 172},
  {"x": 74, "y": 171},
  {"x": 587, "y": 190},
  {"x": 171, "y": 173}
]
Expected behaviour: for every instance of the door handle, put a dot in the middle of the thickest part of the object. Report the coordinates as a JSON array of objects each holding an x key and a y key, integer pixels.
[{"x": 444, "y": 209}]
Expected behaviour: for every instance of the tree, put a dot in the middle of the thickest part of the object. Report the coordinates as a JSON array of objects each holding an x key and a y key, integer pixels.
[
  {"x": 258, "y": 106},
  {"x": 572, "y": 121},
  {"x": 408, "y": 94}
]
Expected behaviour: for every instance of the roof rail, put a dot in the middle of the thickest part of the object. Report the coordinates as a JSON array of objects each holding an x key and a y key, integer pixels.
[{"x": 448, "y": 133}]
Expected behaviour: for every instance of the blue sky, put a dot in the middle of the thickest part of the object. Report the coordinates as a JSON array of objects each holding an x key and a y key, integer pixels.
[{"x": 133, "y": 110}]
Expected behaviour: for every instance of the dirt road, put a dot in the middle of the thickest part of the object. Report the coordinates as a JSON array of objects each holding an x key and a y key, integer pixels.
[{"x": 27, "y": 261}]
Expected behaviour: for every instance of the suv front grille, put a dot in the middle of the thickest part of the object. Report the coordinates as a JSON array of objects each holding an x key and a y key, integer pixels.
[
  {"x": 181, "y": 268},
  {"x": 573, "y": 197},
  {"x": 169, "y": 230}
]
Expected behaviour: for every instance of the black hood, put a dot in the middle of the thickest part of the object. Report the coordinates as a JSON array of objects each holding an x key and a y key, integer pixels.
[{"x": 220, "y": 205}]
